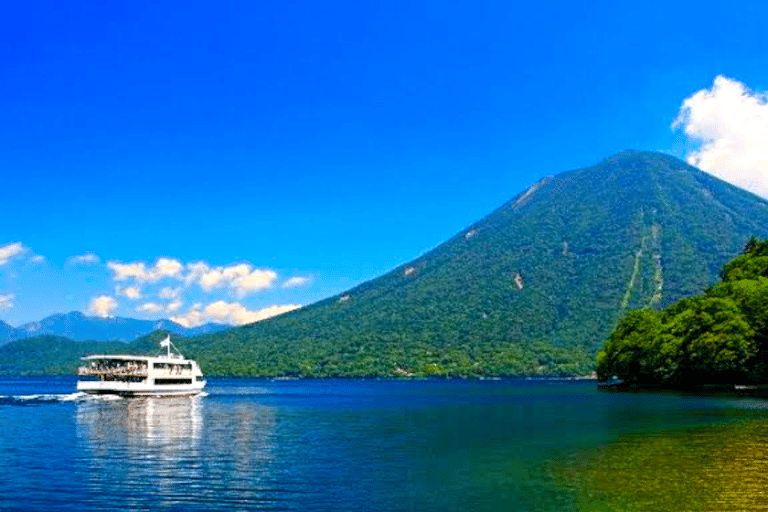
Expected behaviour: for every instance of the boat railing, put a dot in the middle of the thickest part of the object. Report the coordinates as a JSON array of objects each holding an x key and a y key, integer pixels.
[
  {"x": 120, "y": 370},
  {"x": 137, "y": 371}
]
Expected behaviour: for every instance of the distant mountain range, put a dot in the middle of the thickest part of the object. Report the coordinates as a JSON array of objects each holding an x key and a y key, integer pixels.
[
  {"x": 79, "y": 327},
  {"x": 534, "y": 288}
]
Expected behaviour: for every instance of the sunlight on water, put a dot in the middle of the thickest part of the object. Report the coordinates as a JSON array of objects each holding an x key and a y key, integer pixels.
[
  {"x": 367, "y": 445},
  {"x": 717, "y": 468}
]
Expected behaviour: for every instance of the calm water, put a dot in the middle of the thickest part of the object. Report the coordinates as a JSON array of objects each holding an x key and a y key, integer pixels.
[{"x": 380, "y": 445}]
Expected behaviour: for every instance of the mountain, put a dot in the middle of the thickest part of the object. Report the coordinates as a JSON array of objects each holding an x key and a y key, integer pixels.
[
  {"x": 7, "y": 333},
  {"x": 50, "y": 354},
  {"x": 79, "y": 327},
  {"x": 535, "y": 287}
]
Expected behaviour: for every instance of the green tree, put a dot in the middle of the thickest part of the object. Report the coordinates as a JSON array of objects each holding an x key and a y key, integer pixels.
[
  {"x": 718, "y": 337},
  {"x": 631, "y": 353},
  {"x": 713, "y": 341}
]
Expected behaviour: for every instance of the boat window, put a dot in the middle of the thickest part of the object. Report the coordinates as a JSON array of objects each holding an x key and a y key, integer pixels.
[
  {"x": 123, "y": 378},
  {"x": 172, "y": 381}
]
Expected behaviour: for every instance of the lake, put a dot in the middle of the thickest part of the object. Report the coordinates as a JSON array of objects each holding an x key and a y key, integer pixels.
[{"x": 380, "y": 445}]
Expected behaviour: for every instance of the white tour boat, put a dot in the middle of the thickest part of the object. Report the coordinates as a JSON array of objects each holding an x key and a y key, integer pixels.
[{"x": 162, "y": 375}]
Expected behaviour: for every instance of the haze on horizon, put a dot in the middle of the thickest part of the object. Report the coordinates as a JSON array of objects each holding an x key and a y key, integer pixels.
[{"x": 228, "y": 164}]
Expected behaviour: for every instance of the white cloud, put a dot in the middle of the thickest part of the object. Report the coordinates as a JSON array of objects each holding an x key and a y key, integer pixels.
[
  {"x": 236, "y": 314},
  {"x": 195, "y": 270},
  {"x": 242, "y": 278},
  {"x": 157, "y": 307},
  {"x": 123, "y": 271},
  {"x": 294, "y": 282},
  {"x": 102, "y": 306},
  {"x": 211, "y": 279},
  {"x": 137, "y": 270},
  {"x": 9, "y": 251},
  {"x": 729, "y": 123},
  {"x": 192, "y": 318},
  {"x": 236, "y": 271},
  {"x": 254, "y": 281},
  {"x": 150, "y": 307},
  {"x": 232, "y": 313},
  {"x": 174, "y": 306},
  {"x": 37, "y": 258},
  {"x": 132, "y": 292},
  {"x": 169, "y": 293},
  {"x": 167, "y": 267},
  {"x": 84, "y": 259},
  {"x": 6, "y": 301}
]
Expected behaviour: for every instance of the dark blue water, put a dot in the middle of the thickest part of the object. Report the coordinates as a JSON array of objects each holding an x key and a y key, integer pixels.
[{"x": 379, "y": 445}]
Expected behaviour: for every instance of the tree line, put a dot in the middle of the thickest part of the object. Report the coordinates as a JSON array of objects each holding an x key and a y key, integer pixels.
[{"x": 719, "y": 337}]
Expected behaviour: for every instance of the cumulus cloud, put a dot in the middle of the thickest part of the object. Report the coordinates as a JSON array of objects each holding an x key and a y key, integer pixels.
[
  {"x": 150, "y": 307},
  {"x": 103, "y": 306},
  {"x": 138, "y": 270},
  {"x": 295, "y": 282},
  {"x": 167, "y": 267},
  {"x": 192, "y": 318},
  {"x": 123, "y": 271},
  {"x": 157, "y": 307},
  {"x": 232, "y": 313},
  {"x": 169, "y": 293},
  {"x": 242, "y": 278},
  {"x": 9, "y": 251},
  {"x": 174, "y": 306},
  {"x": 210, "y": 279},
  {"x": 195, "y": 270},
  {"x": 253, "y": 281},
  {"x": 84, "y": 259},
  {"x": 132, "y": 292},
  {"x": 6, "y": 301},
  {"x": 37, "y": 258},
  {"x": 729, "y": 124}
]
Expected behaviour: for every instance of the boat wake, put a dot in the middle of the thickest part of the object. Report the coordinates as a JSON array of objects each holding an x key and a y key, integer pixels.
[{"x": 54, "y": 398}]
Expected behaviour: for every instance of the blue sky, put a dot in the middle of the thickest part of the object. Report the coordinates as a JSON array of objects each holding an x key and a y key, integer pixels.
[{"x": 281, "y": 153}]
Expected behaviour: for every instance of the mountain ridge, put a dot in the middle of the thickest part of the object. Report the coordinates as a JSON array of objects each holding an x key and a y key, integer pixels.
[{"x": 79, "y": 327}]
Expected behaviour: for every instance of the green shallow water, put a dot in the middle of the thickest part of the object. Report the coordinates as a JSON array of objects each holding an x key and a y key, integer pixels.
[
  {"x": 714, "y": 467},
  {"x": 381, "y": 445}
]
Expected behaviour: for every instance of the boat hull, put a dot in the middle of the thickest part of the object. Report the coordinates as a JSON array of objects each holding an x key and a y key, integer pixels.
[{"x": 139, "y": 388}]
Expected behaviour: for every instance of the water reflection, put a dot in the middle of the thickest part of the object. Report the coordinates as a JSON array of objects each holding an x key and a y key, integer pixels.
[
  {"x": 173, "y": 423},
  {"x": 162, "y": 452}
]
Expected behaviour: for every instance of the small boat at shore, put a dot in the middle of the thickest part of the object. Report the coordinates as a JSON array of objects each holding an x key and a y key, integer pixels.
[{"x": 168, "y": 374}]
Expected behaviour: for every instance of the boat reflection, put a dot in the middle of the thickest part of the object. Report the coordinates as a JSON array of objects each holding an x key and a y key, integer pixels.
[
  {"x": 136, "y": 441},
  {"x": 158, "y": 453},
  {"x": 175, "y": 422}
]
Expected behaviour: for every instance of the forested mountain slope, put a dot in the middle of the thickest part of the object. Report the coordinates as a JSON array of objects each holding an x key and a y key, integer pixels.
[{"x": 535, "y": 287}]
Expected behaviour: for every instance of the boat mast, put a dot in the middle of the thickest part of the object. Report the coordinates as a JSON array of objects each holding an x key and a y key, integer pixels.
[{"x": 167, "y": 344}]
